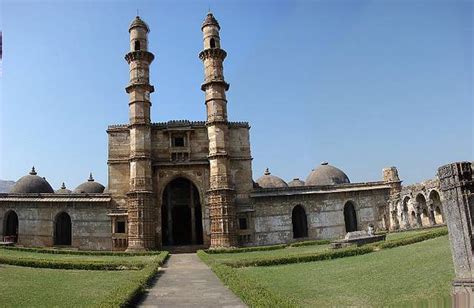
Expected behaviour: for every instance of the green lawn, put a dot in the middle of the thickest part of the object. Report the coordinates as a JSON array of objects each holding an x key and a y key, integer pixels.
[
  {"x": 405, "y": 274},
  {"x": 45, "y": 287},
  {"x": 405, "y": 234},
  {"x": 34, "y": 287}
]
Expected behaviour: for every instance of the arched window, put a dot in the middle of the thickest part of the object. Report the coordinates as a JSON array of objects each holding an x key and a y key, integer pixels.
[
  {"x": 213, "y": 43},
  {"x": 11, "y": 227},
  {"x": 62, "y": 229},
  {"x": 299, "y": 221},
  {"x": 350, "y": 219},
  {"x": 137, "y": 45}
]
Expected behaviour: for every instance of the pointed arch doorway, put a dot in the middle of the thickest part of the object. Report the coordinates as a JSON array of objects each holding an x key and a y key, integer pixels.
[{"x": 181, "y": 215}]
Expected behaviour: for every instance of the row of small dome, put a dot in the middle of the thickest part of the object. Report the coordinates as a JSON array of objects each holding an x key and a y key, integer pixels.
[
  {"x": 33, "y": 183},
  {"x": 323, "y": 175}
]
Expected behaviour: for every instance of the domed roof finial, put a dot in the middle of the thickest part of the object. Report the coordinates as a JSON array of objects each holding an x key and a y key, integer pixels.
[
  {"x": 63, "y": 186},
  {"x": 33, "y": 171},
  {"x": 91, "y": 179},
  {"x": 267, "y": 172},
  {"x": 210, "y": 21}
]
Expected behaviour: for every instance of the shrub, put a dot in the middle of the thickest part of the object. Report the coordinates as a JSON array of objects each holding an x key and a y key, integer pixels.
[
  {"x": 249, "y": 290},
  {"x": 309, "y": 243},
  {"x": 70, "y": 264},
  {"x": 245, "y": 249},
  {"x": 83, "y": 252},
  {"x": 325, "y": 255},
  {"x": 412, "y": 239}
]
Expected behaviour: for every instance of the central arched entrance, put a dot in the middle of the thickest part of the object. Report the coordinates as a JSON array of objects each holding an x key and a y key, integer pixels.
[
  {"x": 11, "y": 227},
  {"x": 181, "y": 216}
]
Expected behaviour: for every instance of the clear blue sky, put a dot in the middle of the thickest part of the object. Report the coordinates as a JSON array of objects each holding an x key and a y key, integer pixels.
[{"x": 361, "y": 84}]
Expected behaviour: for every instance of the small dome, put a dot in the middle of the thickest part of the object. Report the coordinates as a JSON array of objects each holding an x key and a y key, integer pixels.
[
  {"x": 63, "y": 190},
  {"x": 296, "y": 182},
  {"x": 89, "y": 187},
  {"x": 30, "y": 184},
  {"x": 270, "y": 181},
  {"x": 210, "y": 21},
  {"x": 137, "y": 22},
  {"x": 326, "y": 174}
]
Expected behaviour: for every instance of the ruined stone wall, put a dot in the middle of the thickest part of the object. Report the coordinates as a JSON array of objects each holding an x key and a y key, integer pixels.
[
  {"x": 91, "y": 227},
  {"x": 325, "y": 214},
  {"x": 420, "y": 205}
]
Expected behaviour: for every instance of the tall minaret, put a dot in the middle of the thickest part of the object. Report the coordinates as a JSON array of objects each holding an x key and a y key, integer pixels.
[
  {"x": 140, "y": 197},
  {"x": 221, "y": 195}
]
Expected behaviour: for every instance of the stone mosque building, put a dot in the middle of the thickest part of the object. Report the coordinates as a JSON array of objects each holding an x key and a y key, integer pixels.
[{"x": 183, "y": 183}]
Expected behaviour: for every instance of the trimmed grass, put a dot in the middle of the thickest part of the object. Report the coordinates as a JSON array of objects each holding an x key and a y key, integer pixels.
[
  {"x": 34, "y": 287},
  {"x": 407, "y": 274},
  {"x": 45, "y": 287},
  {"x": 411, "y": 268}
]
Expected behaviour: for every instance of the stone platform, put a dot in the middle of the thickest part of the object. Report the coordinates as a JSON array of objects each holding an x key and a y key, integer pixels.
[{"x": 358, "y": 238}]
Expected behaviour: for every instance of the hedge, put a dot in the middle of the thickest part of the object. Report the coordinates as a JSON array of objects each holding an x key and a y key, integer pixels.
[
  {"x": 266, "y": 248},
  {"x": 245, "y": 249},
  {"x": 250, "y": 291},
  {"x": 309, "y": 243},
  {"x": 84, "y": 252},
  {"x": 72, "y": 265},
  {"x": 412, "y": 239},
  {"x": 129, "y": 295},
  {"x": 325, "y": 255}
]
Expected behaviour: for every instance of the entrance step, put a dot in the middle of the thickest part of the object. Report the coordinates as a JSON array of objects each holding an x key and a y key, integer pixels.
[{"x": 184, "y": 248}]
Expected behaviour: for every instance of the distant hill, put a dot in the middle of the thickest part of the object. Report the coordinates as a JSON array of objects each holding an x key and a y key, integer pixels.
[{"x": 5, "y": 186}]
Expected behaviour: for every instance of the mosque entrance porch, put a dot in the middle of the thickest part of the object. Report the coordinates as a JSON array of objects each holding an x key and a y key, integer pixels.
[{"x": 181, "y": 214}]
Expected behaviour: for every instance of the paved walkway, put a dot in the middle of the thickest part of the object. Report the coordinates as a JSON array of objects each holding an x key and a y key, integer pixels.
[{"x": 185, "y": 281}]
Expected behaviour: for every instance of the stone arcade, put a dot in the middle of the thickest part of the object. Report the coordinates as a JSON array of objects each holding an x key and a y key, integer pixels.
[{"x": 190, "y": 183}]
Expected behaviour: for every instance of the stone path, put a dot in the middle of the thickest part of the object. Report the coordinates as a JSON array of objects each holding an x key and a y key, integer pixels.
[{"x": 185, "y": 281}]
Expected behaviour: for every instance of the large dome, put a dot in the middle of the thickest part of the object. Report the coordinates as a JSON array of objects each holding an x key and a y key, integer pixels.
[
  {"x": 30, "y": 184},
  {"x": 89, "y": 187},
  {"x": 326, "y": 174},
  {"x": 270, "y": 181}
]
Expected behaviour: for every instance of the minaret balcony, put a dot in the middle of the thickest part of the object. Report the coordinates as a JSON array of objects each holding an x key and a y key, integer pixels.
[
  {"x": 139, "y": 55},
  {"x": 215, "y": 53}
]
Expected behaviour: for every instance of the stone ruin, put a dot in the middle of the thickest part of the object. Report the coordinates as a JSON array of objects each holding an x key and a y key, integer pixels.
[{"x": 457, "y": 187}]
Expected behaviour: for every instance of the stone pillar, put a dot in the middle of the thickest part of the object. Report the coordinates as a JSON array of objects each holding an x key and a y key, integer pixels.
[
  {"x": 431, "y": 216},
  {"x": 221, "y": 193},
  {"x": 390, "y": 176},
  {"x": 193, "y": 214},
  {"x": 457, "y": 188},
  {"x": 141, "y": 205}
]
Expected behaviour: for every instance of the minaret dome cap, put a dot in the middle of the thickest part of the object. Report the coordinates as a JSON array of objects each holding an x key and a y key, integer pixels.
[
  {"x": 138, "y": 23},
  {"x": 210, "y": 21}
]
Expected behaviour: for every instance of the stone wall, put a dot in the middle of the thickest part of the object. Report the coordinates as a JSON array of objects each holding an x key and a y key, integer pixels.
[
  {"x": 324, "y": 210},
  {"x": 420, "y": 205},
  {"x": 91, "y": 227}
]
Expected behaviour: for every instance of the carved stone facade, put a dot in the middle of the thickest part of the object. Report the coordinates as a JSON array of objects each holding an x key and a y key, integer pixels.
[{"x": 190, "y": 182}]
